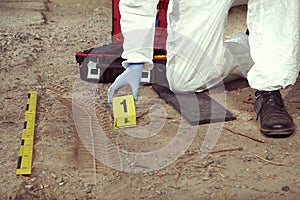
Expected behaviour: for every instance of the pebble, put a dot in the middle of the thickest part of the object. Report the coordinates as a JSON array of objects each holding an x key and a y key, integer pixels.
[
  {"x": 88, "y": 190},
  {"x": 37, "y": 37},
  {"x": 269, "y": 156},
  {"x": 206, "y": 176},
  {"x": 218, "y": 187},
  {"x": 29, "y": 186},
  {"x": 258, "y": 177},
  {"x": 247, "y": 158},
  {"x": 58, "y": 180},
  {"x": 217, "y": 162},
  {"x": 158, "y": 192},
  {"x": 285, "y": 188},
  {"x": 53, "y": 175},
  {"x": 175, "y": 187},
  {"x": 33, "y": 179},
  {"x": 211, "y": 170}
]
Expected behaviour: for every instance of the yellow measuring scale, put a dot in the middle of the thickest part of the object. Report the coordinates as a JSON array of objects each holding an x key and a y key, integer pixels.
[{"x": 25, "y": 156}]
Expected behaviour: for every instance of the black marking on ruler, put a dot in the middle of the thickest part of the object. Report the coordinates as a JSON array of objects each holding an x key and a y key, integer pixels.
[
  {"x": 19, "y": 162},
  {"x": 27, "y": 107},
  {"x": 25, "y": 124},
  {"x": 29, "y": 95},
  {"x": 22, "y": 142}
]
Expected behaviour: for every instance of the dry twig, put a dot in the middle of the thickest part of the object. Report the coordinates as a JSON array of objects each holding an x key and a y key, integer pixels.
[
  {"x": 8, "y": 122},
  {"x": 192, "y": 153},
  {"x": 226, "y": 150},
  {"x": 243, "y": 134},
  {"x": 184, "y": 162},
  {"x": 166, "y": 117},
  {"x": 66, "y": 174},
  {"x": 248, "y": 102},
  {"x": 294, "y": 101},
  {"x": 207, "y": 164},
  {"x": 271, "y": 162},
  {"x": 178, "y": 176}
]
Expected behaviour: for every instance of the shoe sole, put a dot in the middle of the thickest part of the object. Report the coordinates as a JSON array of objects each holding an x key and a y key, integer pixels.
[{"x": 280, "y": 133}]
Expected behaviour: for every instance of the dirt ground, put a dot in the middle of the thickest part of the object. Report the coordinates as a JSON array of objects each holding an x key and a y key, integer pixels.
[{"x": 38, "y": 43}]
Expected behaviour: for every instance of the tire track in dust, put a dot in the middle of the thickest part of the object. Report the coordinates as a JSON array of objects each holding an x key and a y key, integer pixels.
[
  {"x": 87, "y": 165},
  {"x": 93, "y": 124}
]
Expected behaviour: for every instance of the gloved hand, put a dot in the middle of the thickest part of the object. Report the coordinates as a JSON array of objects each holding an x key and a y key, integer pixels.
[{"x": 131, "y": 76}]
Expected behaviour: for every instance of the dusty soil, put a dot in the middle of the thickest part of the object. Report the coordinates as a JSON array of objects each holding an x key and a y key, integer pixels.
[{"x": 38, "y": 43}]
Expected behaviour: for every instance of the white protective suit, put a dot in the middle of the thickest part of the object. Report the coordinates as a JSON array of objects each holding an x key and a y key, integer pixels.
[{"x": 198, "y": 58}]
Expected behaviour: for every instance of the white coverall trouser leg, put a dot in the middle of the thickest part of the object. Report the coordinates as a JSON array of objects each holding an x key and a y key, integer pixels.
[
  {"x": 274, "y": 39},
  {"x": 197, "y": 56}
]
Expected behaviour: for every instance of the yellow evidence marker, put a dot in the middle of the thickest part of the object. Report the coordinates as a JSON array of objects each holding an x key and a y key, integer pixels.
[{"x": 124, "y": 111}]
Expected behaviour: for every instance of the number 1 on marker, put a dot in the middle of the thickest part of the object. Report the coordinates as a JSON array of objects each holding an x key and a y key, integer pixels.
[
  {"x": 125, "y": 105},
  {"x": 125, "y": 110}
]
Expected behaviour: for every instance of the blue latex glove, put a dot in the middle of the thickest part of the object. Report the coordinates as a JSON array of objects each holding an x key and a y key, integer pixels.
[{"x": 131, "y": 76}]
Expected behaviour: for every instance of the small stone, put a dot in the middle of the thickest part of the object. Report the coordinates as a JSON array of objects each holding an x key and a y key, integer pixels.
[
  {"x": 58, "y": 180},
  {"x": 258, "y": 177},
  {"x": 270, "y": 156},
  {"x": 117, "y": 174},
  {"x": 211, "y": 170},
  {"x": 29, "y": 187},
  {"x": 61, "y": 183},
  {"x": 207, "y": 174},
  {"x": 218, "y": 187},
  {"x": 217, "y": 162},
  {"x": 158, "y": 192},
  {"x": 37, "y": 37},
  {"x": 207, "y": 192},
  {"x": 285, "y": 188},
  {"x": 175, "y": 187},
  {"x": 149, "y": 187},
  {"x": 53, "y": 175},
  {"x": 88, "y": 190},
  {"x": 33, "y": 179},
  {"x": 247, "y": 158}
]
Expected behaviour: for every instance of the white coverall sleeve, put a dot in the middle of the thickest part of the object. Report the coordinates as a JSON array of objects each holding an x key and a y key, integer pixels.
[
  {"x": 274, "y": 39},
  {"x": 138, "y": 28}
]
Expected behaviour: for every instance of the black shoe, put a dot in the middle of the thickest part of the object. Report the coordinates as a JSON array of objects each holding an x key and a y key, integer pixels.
[{"x": 274, "y": 119}]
